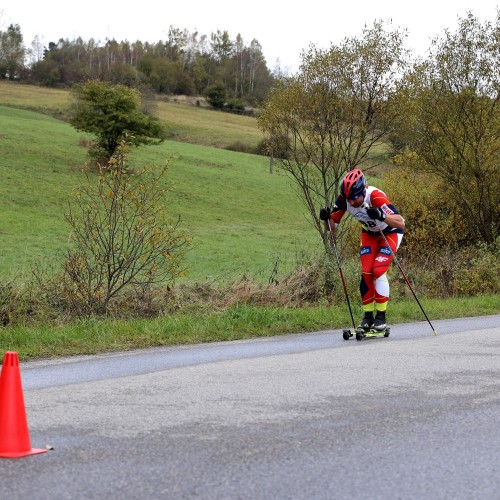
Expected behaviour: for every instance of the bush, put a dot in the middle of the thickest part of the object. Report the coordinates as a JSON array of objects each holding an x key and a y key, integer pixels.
[
  {"x": 235, "y": 105},
  {"x": 14, "y": 302},
  {"x": 477, "y": 271},
  {"x": 121, "y": 238},
  {"x": 431, "y": 223},
  {"x": 316, "y": 281},
  {"x": 216, "y": 96}
]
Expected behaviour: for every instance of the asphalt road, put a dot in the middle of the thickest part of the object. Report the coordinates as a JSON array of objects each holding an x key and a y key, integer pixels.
[{"x": 306, "y": 416}]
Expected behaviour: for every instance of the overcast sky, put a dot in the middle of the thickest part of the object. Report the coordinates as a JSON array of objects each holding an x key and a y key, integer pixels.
[{"x": 282, "y": 28}]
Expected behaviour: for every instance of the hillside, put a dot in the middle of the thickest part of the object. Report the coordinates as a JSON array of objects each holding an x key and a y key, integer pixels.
[
  {"x": 242, "y": 219},
  {"x": 244, "y": 222},
  {"x": 185, "y": 121}
]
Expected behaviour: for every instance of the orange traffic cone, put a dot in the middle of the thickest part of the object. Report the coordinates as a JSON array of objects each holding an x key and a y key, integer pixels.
[{"x": 14, "y": 434}]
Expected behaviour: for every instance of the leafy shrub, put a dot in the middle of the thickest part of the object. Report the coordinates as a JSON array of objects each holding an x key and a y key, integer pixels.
[
  {"x": 432, "y": 224},
  {"x": 477, "y": 271},
  {"x": 216, "y": 96},
  {"x": 235, "y": 105}
]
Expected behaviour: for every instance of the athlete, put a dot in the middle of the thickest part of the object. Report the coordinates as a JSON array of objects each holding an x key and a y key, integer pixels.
[{"x": 371, "y": 207}]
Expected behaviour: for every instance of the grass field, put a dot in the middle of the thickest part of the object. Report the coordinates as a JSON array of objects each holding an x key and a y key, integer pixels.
[
  {"x": 185, "y": 122},
  {"x": 208, "y": 127},
  {"x": 241, "y": 217}
]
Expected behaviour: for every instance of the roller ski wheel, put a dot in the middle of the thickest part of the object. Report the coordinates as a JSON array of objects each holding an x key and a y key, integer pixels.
[
  {"x": 346, "y": 334},
  {"x": 360, "y": 334}
]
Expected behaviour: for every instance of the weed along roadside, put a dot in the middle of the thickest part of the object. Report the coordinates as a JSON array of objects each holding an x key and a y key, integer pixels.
[{"x": 93, "y": 336}]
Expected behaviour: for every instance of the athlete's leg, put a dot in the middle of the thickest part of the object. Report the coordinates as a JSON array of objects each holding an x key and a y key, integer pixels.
[
  {"x": 367, "y": 254},
  {"x": 381, "y": 264}
]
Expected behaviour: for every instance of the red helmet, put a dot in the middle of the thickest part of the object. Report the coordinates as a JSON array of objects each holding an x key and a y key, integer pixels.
[{"x": 353, "y": 185}]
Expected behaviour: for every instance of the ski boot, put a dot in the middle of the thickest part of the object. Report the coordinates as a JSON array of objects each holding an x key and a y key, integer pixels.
[
  {"x": 377, "y": 328},
  {"x": 365, "y": 325},
  {"x": 367, "y": 322},
  {"x": 380, "y": 324}
]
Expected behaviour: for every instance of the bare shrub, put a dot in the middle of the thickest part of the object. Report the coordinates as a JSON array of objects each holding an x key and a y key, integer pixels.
[
  {"x": 121, "y": 238},
  {"x": 85, "y": 142}
]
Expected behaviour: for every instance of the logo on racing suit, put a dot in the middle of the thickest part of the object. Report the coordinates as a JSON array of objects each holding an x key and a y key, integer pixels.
[
  {"x": 380, "y": 258},
  {"x": 365, "y": 250}
]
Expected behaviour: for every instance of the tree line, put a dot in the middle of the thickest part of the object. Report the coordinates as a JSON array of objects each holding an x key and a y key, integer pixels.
[{"x": 185, "y": 63}]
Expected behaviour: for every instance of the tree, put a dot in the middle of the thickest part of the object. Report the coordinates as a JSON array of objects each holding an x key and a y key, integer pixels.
[
  {"x": 222, "y": 46},
  {"x": 113, "y": 113},
  {"x": 36, "y": 50},
  {"x": 327, "y": 120},
  {"x": 258, "y": 77},
  {"x": 185, "y": 63},
  {"x": 452, "y": 125},
  {"x": 216, "y": 95},
  {"x": 12, "y": 52},
  {"x": 177, "y": 43},
  {"x": 121, "y": 236}
]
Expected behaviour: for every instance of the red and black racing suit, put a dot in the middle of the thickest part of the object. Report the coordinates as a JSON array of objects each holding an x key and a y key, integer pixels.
[{"x": 374, "y": 254}]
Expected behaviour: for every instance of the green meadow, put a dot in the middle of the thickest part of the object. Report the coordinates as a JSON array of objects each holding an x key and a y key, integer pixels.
[{"x": 243, "y": 220}]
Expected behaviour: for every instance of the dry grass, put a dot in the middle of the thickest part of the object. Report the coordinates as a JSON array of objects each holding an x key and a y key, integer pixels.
[
  {"x": 185, "y": 120},
  {"x": 301, "y": 287},
  {"x": 41, "y": 99},
  {"x": 208, "y": 127}
]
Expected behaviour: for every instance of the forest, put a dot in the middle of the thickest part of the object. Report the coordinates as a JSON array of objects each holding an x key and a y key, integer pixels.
[{"x": 231, "y": 73}]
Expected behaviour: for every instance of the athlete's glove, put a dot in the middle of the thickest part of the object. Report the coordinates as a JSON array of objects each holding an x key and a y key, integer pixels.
[
  {"x": 376, "y": 213},
  {"x": 324, "y": 213}
]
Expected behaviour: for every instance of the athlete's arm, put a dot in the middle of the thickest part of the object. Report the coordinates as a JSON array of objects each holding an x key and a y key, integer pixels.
[
  {"x": 392, "y": 217},
  {"x": 338, "y": 211},
  {"x": 395, "y": 220}
]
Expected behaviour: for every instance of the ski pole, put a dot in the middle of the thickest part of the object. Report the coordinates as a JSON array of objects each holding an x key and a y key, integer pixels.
[
  {"x": 332, "y": 241},
  {"x": 396, "y": 260}
]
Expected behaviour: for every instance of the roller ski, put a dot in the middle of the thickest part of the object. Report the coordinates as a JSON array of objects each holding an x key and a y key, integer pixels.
[
  {"x": 362, "y": 334},
  {"x": 369, "y": 328},
  {"x": 372, "y": 333}
]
